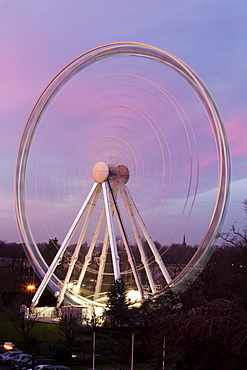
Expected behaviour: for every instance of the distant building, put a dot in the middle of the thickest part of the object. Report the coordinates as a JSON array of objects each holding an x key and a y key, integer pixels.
[{"x": 184, "y": 242}]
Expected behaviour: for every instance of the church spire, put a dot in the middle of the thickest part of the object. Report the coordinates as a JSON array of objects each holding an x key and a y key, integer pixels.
[{"x": 184, "y": 242}]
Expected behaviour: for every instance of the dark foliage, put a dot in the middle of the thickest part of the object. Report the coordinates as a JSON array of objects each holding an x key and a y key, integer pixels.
[
  {"x": 116, "y": 312},
  {"x": 62, "y": 354},
  {"x": 213, "y": 336},
  {"x": 12, "y": 250},
  {"x": 18, "y": 319},
  {"x": 70, "y": 332},
  {"x": 50, "y": 250}
]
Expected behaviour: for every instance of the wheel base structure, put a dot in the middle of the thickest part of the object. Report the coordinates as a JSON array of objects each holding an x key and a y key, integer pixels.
[{"x": 110, "y": 182}]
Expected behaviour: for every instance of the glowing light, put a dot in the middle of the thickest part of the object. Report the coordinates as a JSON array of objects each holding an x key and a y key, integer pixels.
[
  {"x": 31, "y": 287},
  {"x": 133, "y": 296},
  {"x": 8, "y": 346},
  {"x": 70, "y": 285}
]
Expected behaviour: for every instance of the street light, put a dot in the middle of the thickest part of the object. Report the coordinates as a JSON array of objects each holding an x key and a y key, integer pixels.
[{"x": 31, "y": 288}]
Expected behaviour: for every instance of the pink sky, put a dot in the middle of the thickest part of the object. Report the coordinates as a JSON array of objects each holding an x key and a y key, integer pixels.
[{"x": 38, "y": 39}]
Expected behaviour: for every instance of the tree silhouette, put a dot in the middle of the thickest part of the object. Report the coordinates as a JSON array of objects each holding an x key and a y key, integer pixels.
[
  {"x": 50, "y": 250},
  {"x": 69, "y": 331},
  {"x": 16, "y": 314},
  {"x": 235, "y": 237},
  {"x": 118, "y": 304}
]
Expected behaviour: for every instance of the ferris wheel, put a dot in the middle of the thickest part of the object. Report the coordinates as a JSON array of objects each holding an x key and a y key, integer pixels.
[{"x": 123, "y": 153}]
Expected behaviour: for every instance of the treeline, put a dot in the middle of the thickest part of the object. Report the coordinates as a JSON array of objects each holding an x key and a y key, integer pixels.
[
  {"x": 12, "y": 250},
  {"x": 175, "y": 254}
]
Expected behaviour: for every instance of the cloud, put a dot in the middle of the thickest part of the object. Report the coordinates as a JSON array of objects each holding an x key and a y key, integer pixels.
[
  {"x": 237, "y": 133},
  {"x": 237, "y": 130}
]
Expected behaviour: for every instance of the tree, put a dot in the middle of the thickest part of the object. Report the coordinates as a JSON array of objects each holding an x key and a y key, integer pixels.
[
  {"x": 147, "y": 320},
  {"x": 210, "y": 329},
  {"x": 236, "y": 242},
  {"x": 235, "y": 237},
  {"x": 213, "y": 336},
  {"x": 8, "y": 285},
  {"x": 50, "y": 250},
  {"x": 118, "y": 304},
  {"x": 17, "y": 315},
  {"x": 69, "y": 331},
  {"x": 94, "y": 320}
]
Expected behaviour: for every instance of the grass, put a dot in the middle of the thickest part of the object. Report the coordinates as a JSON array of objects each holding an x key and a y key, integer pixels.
[{"x": 44, "y": 331}]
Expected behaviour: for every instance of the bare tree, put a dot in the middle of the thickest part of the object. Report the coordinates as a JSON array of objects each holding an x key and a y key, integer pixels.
[
  {"x": 18, "y": 318},
  {"x": 214, "y": 336},
  {"x": 236, "y": 237},
  {"x": 69, "y": 331}
]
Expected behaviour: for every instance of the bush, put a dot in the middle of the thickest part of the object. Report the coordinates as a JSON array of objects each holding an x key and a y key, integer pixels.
[
  {"x": 31, "y": 342},
  {"x": 61, "y": 354}
]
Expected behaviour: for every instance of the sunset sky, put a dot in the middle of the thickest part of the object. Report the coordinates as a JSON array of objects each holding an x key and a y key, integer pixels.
[{"x": 38, "y": 38}]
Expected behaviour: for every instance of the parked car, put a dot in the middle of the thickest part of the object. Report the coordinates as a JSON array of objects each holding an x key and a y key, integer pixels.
[
  {"x": 56, "y": 367},
  {"x": 20, "y": 357},
  {"x": 39, "y": 367},
  {"x": 19, "y": 364},
  {"x": 37, "y": 361},
  {"x": 6, "y": 357},
  {"x": 15, "y": 365}
]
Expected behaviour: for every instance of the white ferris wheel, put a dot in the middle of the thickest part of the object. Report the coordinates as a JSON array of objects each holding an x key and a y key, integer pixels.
[{"x": 124, "y": 152}]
